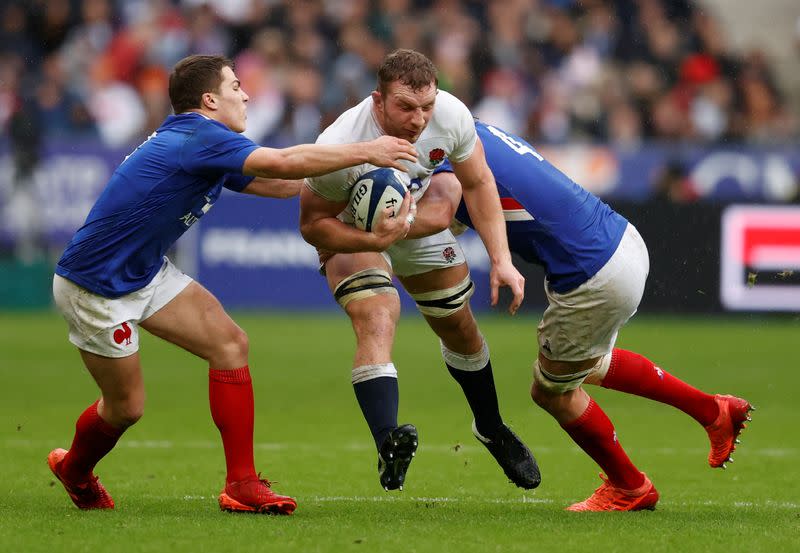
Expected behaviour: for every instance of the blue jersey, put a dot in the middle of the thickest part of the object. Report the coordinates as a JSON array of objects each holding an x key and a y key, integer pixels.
[
  {"x": 153, "y": 197},
  {"x": 551, "y": 221}
]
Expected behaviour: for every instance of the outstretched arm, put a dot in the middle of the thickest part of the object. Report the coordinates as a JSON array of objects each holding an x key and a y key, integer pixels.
[
  {"x": 274, "y": 188},
  {"x": 483, "y": 203},
  {"x": 311, "y": 160}
]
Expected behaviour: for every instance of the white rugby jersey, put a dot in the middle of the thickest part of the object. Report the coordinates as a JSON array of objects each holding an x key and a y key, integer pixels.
[{"x": 450, "y": 134}]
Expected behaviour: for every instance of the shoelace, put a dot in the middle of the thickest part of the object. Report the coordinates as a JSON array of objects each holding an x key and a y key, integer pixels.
[{"x": 265, "y": 481}]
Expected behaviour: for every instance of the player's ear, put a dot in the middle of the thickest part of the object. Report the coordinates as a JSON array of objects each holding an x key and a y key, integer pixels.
[
  {"x": 209, "y": 100},
  {"x": 377, "y": 98}
]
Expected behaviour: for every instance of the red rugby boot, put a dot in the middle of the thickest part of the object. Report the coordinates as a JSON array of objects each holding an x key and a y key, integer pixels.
[
  {"x": 611, "y": 498},
  {"x": 733, "y": 413},
  {"x": 255, "y": 496},
  {"x": 86, "y": 495}
]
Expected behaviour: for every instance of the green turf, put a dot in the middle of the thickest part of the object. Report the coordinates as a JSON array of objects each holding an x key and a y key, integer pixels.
[{"x": 167, "y": 470}]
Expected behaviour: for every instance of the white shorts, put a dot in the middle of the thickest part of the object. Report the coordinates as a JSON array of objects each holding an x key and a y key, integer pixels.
[
  {"x": 109, "y": 326},
  {"x": 421, "y": 255},
  {"x": 583, "y": 323}
]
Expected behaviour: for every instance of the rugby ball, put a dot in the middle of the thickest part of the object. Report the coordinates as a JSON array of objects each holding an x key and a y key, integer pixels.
[{"x": 373, "y": 192}]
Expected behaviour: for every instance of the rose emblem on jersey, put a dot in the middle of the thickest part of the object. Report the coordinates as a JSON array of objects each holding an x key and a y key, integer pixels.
[
  {"x": 449, "y": 254},
  {"x": 436, "y": 156}
]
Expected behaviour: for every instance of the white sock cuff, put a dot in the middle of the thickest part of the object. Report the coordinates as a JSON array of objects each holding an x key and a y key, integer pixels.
[
  {"x": 471, "y": 362},
  {"x": 368, "y": 372}
]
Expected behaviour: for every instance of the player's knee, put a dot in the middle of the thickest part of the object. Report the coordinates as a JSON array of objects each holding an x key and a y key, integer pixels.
[
  {"x": 540, "y": 396},
  {"x": 131, "y": 415},
  {"x": 229, "y": 348},
  {"x": 373, "y": 317},
  {"x": 125, "y": 412},
  {"x": 459, "y": 332},
  {"x": 233, "y": 344},
  {"x": 240, "y": 342}
]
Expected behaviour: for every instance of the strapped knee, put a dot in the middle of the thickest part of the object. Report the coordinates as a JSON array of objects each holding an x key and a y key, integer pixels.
[
  {"x": 563, "y": 383},
  {"x": 443, "y": 303},
  {"x": 364, "y": 284}
]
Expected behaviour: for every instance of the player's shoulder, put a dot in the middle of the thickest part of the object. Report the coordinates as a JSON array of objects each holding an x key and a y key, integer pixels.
[
  {"x": 354, "y": 125},
  {"x": 447, "y": 104}
]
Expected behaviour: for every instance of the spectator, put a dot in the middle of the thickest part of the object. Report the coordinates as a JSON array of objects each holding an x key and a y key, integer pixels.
[{"x": 615, "y": 71}]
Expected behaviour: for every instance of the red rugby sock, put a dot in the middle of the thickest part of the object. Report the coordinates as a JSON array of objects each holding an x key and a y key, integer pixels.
[
  {"x": 93, "y": 439},
  {"x": 230, "y": 393},
  {"x": 595, "y": 434},
  {"x": 635, "y": 374}
]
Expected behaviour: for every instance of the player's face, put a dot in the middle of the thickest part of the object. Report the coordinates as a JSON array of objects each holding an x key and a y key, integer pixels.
[
  {"x": 231, "y": 102},
  {"x": 404, "y": 112}
]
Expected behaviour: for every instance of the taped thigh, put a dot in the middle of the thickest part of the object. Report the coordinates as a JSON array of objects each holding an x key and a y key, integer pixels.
[
  {"x": 443, "y": 303},
  {"x": 364, "y": 284},
  {"x": 563, "y": 383}
]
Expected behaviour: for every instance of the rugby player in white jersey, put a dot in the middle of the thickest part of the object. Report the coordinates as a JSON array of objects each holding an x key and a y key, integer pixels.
[{"x": 407, "y": 104}]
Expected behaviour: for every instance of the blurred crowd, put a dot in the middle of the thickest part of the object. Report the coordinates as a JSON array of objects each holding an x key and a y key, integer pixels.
[{"x": 554, "y": 71}]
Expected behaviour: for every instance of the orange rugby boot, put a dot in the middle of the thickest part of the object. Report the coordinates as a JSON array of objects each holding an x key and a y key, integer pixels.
[
  {"x": 723, "y": 432},
  {"x": 255, "y": 496},
  {"x": 86, "y": 495},
  {"x": 611, "y": 498}
]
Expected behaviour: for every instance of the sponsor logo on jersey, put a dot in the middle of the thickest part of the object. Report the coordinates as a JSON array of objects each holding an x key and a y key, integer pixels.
[
  {"x": 190, "y": 218},
  {"x": 436, "y": 156}
]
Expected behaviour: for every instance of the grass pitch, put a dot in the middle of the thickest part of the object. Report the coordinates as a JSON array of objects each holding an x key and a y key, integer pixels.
[{"x": 310, "y": 437}]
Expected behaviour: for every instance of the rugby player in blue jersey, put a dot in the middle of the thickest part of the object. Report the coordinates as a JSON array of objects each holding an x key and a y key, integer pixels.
[
  {"x": 114, "y": 277},
  {"x": 596, "y": 265}
]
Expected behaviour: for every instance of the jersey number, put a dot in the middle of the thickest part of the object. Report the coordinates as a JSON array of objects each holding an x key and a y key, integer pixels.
[{"x": 515, "y": 145}]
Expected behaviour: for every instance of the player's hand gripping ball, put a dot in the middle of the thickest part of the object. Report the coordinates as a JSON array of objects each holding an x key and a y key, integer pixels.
[{"x": 375, "y": 191}]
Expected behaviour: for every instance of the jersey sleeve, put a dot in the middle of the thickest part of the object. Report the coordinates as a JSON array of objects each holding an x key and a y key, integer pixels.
[
  {"x": 335, "y": 186},
  {"x": 445, "y": 167},
  {"x": 463, "y": 128},
  {"x": 236, "y": 182},
  {"x": 215, "y": 149}
]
